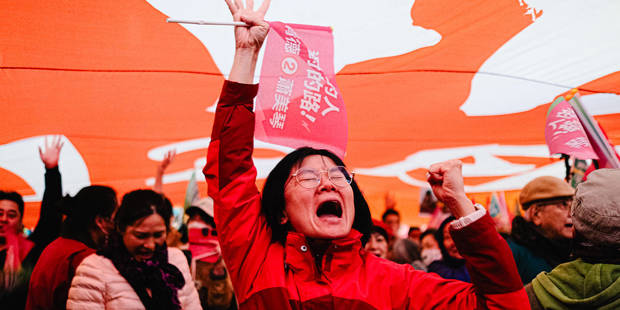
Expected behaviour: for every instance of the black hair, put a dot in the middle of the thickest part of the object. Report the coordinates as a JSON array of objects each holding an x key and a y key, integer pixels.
[
  {"x": 139, "y": 204},
  {"x": 16, "y": 198},
  {"x": 380, "y": 230},
  {"x": 82, "y": 210},
  {"x": 273, "y": 203},
  {"x": 389, "y": 212},
  {"x": 446, "y": 257},
  {"x": 430, "y": 231},
  {"x": 208, "y": 219},
  {"x": 413, "y": 228}
]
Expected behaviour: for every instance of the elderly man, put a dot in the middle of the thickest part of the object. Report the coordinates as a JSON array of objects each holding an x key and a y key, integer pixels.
[
  {"x": 540, "y": 239},
  {"x": 592, "y": 281}
]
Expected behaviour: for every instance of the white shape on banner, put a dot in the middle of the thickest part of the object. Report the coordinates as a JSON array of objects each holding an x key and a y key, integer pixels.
[
  {"x": 289, "y": 65},
  {"x": 21, "y": 157},
  {"x": 544, "y": 60},
  {"x": 351, "y": 37}
]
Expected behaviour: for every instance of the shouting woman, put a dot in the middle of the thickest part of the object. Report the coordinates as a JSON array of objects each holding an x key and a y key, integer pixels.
[{"x": 299, "y": 245}]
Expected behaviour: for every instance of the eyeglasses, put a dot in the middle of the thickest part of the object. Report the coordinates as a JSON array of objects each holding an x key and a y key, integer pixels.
[
  {"x": 311, "y": 178},
  {"x": 563, "y": 203}
]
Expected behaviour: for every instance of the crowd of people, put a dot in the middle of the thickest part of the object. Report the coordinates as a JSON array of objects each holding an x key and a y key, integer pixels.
[{"x": 307, "y": 240}]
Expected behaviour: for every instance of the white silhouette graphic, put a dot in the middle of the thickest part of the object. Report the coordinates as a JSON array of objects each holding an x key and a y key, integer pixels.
[
  {"x": 486, "y": 163},
  {"x": 263, "y": 165},
  {"x": 21, "y": 158},
  {"x": 572, "y": 43},
  {"x": 363, "y": 29}
]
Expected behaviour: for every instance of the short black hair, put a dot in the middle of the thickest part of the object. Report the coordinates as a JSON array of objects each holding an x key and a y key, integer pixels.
[
  {"x": 16, "y": 198},
  {"x": 273, "y": 203},
  {"x": 139, "y": 204},
  {"x": 389, "y": 212},
  {"x": 413, "y": 228},
  {"x": 430, "y": 231},
  {"x": 380, "y": 230}
]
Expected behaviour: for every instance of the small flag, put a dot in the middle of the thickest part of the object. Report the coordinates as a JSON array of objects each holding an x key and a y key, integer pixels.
[
  {"x": 298, "y": 103},
  {"x": 498, "y": 210},
  {"x": 606, "y": 154},
  {"x": 191, "y": 194},
  {"x": 564, "y": 133}
]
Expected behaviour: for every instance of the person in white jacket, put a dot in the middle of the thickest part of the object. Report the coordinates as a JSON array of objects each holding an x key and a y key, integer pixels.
[{"x": 136, "y": 270}]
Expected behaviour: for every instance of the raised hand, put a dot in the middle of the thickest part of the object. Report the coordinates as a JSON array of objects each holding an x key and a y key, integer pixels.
[
  {"x": 161, "y": 168},
  {"x": 168, "y": 159},
  {"x": 248, "y": 40},
  {"x": 249, "y": 37},
  {"x": 50, "y": 155},
  {"x": 446, "y": 180}
]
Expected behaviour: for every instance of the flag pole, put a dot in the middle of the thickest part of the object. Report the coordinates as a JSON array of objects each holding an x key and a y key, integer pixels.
[{"x": 204, "y": 22}]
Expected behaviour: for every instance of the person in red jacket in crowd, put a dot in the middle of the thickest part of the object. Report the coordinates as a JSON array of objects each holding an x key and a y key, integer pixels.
[
  {"x": 88, "y": 221},
  {"x": 299, "y": 245}
]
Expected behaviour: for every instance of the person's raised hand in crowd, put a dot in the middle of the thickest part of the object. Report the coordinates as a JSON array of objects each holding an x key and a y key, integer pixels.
[
  {"x": 446, "y": 180},
  {"x": 248, "y": 40},
  {"x": 161, "y": 169},
  {"x": 390, "y": 200},
  {"x": 51, "y": 153}
]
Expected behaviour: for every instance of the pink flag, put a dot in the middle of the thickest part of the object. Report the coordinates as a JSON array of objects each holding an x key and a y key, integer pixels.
[
  {"x": 298, "y": 103},
  {"x": 607, "y": 156},
  {"x": 498, "y": 210},
  {"x": 565, "y": 134}
]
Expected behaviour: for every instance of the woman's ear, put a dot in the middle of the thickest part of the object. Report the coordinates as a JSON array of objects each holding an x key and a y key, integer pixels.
[
  {"x": 284, "y": 218},
  {"x": 105, "y": 225}
]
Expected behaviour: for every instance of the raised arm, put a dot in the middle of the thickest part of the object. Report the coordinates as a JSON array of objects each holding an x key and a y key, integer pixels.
[
  {"x": 161, "y": 169},
  {"x": 50, "y": 218},
  {"x": 248, "y": 40},
  {"x": 230, "y": 172},
  {"x": 495, "y": 281}
]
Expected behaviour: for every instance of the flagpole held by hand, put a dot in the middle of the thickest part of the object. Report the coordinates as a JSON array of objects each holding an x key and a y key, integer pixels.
[{"x": 204, "y": 22}]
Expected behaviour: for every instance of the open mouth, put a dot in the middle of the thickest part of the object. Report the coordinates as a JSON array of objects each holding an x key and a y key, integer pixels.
[
  {"x": 144, "y": 255},
  {"x": 331, "y": 207},
  {"x": 568, "y": 225}
]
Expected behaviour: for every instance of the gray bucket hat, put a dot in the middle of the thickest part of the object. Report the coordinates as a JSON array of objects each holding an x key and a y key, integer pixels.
[{"x": 596, "y": 214}]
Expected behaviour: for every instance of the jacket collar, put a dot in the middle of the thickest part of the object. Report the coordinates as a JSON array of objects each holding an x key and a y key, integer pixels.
[{"x": 341, "y": 255}]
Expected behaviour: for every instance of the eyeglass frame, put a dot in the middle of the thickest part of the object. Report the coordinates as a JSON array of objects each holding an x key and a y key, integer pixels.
[
  {"x": 320, "y": 173},
  {"x": 564, "y": 203}
]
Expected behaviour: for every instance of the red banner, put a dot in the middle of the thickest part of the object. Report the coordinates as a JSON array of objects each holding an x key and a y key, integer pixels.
[{"x": 298, "y": 103}]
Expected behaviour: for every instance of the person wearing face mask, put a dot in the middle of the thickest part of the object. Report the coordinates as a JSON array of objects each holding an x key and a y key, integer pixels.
[
  {"x": 88, "y": 221},
  {"x": 300, "y": 244},
  {"x": 136, "y": 270},
  {"x": 430, "y": 251},
  {"x": 208, "y": 268},
  {"x": 452, "y": 264}
]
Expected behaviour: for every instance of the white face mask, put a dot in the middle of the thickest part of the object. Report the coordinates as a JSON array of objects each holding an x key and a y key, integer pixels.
[
  {"x": 197, "y": 224},
  {"x": 430, "y": 255}
]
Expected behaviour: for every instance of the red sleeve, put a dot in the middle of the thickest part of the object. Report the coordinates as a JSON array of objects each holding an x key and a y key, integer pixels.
[
  {"x": 495, "y": 281},
  {"x": 231, "y": 176}
]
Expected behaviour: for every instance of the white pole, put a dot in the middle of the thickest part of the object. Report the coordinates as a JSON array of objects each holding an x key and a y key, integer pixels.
[{"x": 204, "y": 22}]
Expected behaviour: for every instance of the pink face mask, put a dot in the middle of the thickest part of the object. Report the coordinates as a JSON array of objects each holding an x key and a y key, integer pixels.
[{"x": 203, "y": 242}]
